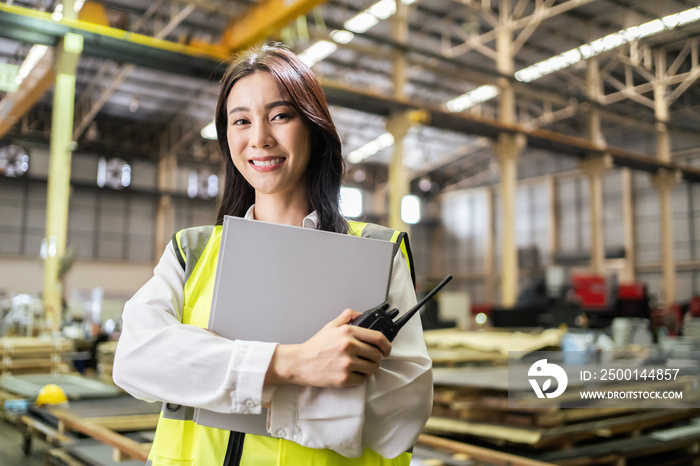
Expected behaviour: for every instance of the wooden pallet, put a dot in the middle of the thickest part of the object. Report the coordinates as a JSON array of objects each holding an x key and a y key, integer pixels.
[
  {"x": 120, "y": 414},
  {"x": 124, "y": 446},
  {"x": 31, "y": 428},
  {"x": 68, "y": 424},
  {"x": 60, "y": 457}
]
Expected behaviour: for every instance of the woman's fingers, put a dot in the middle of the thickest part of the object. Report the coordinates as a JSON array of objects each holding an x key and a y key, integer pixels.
[
  {"x": 338, "y": 355},
  {"x": 373, "y": 338},
  {"x": 368, "y": 352}
]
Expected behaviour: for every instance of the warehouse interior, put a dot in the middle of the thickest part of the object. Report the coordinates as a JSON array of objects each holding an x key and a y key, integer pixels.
[{"x": 545, "y": 153}]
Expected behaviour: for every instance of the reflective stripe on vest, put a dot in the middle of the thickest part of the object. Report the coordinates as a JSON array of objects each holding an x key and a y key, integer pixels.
[{"x": 178, "y": 440}]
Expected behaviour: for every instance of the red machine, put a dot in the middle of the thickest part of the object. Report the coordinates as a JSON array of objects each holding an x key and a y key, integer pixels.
[{"x": 590, "y": 290}]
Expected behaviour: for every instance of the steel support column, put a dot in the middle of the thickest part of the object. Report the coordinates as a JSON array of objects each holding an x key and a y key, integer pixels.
[
  {"x": 165, "y": 214},
  {"x": 628, "y": 273},
  {"x": 58, "y": 191},
  {"x": 489, "y": 247},
  {"x": 594, "y": 167},
  {"x": 399, "y": 122},
  {"x": 664, "y": 180},
  {"x": 552, "y": 192},
  {"x": 508, "y": 147}
]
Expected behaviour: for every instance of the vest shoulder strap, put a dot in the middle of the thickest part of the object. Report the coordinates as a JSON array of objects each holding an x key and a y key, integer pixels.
[
  {"x": 189, "y": 245},
  {"x": 399, "y": 238}
]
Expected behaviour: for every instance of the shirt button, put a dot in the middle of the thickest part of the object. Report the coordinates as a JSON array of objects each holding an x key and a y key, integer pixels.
[
  {"x": 297, "y": 430},
  {"x": 250, "y": 403},
  {"x": 281, "y": 433}
]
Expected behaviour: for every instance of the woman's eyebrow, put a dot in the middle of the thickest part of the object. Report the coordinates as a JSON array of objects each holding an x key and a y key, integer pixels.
[{"x": 277, "y": 103}]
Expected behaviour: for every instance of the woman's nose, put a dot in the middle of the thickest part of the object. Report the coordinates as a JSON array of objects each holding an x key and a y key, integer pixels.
[{"x": 261, "y": 136}]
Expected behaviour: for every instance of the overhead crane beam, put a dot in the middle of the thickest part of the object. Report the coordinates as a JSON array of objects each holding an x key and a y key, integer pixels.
[
  {"x": 15, "y": 104},
  {"x": 100, "y": 89},
  {"x": 263, "y": 20},
  {"x": 37, "y": 27}
]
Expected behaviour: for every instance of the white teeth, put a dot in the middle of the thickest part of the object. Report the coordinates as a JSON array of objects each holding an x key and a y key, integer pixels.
[{"x": 266, "y": 163}]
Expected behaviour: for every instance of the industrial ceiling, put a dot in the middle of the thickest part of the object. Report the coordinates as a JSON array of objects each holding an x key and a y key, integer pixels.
[{"x": 132, "y": 95}]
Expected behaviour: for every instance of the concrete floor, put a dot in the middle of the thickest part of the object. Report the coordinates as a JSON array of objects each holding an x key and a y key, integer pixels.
[{"x": 11, "y": 448}]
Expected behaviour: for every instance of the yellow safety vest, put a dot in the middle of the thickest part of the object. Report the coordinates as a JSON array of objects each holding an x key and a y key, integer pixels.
[{"x": 178, "y": 440}]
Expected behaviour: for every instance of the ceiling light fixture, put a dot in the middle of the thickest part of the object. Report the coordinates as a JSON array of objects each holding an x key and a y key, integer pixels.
[
  {"x": 342, "y": 36},
  {"x": 596, "y": 47},
  {"x": 317, "y": 52},
  {"x": 134, "y": 104},
  {"x": 209, "y": 131},
  {"x": 35, "y": 54},
  {"x": 380, "y": 11},
  {"x": 383, "y": 9},
  {"x": 471, "y": 98},
  {"x": 371, "y": 148},
  {"x": 361, "y": 22},
  {"x": 57, "y": 14}
]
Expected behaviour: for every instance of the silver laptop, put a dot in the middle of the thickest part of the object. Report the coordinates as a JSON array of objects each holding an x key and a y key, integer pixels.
[{"x": 278, "y": 283}]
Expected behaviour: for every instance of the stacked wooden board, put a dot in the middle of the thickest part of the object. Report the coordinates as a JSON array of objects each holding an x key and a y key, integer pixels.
[
  {"x": 105, "y": 360},
  {"x": 23, "y": 355},
  {"x": 453, "y": 347},
  {"x": 471, "y": 405}
]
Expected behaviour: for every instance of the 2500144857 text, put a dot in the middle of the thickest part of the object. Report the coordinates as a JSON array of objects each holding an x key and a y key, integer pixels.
[{"x": 630, "y": 374}]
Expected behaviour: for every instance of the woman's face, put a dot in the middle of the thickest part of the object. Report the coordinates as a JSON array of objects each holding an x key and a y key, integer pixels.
[{"x": 269, "y": 141}]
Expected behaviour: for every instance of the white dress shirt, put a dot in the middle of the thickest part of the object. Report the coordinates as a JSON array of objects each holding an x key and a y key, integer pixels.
[{"x": 160, "y": 359}]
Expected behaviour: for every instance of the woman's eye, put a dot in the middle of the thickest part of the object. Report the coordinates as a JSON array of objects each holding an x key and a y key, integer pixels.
[
  {"x": 239, "y": 122},
  {"x": 282, "y": 116}
]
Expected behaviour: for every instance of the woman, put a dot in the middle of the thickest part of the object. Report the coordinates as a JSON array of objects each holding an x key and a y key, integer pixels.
[{"x": 344, "y": 397}]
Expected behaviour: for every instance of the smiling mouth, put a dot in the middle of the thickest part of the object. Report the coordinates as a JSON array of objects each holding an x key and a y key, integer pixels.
[{"x": 267, "y": 163}]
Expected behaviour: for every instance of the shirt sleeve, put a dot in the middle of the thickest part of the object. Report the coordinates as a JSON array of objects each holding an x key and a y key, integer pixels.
[
  {"x": 159, "y": 358},
  {"x": 386, "y": 414}
]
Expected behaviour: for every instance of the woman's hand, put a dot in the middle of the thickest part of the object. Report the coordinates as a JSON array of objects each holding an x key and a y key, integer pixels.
[{"x": 338, "y": 355}]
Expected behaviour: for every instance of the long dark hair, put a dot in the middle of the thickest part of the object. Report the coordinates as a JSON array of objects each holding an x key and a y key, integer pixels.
[{"x": 324, "y": 172}]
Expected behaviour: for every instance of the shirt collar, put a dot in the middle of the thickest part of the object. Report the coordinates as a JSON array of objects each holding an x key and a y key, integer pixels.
[{"x": 310, "y": 221}]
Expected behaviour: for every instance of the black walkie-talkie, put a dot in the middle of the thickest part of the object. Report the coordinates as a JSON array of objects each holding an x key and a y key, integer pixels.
[{"x": 379, "y": 319}]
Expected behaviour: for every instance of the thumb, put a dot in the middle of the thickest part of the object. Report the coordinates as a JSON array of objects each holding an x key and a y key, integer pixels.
[{"x": 345, "y": 317}]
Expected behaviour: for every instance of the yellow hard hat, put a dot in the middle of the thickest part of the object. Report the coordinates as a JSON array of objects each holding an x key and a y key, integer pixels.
[{"x": 51, "y": 394}]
